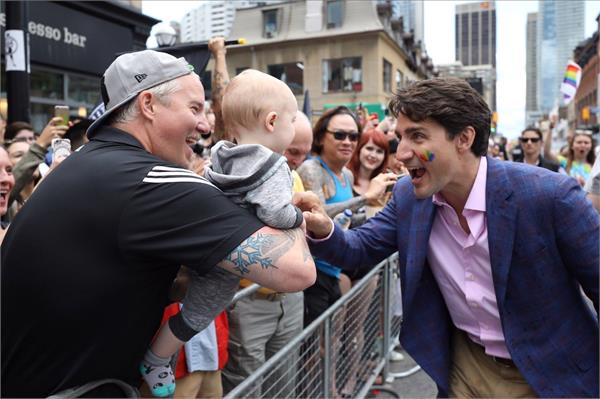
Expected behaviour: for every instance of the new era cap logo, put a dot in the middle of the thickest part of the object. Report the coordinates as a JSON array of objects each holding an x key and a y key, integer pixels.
[{"x": 140, "y": 77}]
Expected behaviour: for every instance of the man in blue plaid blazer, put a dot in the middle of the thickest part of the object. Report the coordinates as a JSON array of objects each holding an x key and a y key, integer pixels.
[{"x": 536, "y": 241}]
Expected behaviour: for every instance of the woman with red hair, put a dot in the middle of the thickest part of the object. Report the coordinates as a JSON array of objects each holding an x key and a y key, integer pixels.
[{"x": 368, "y": 161}]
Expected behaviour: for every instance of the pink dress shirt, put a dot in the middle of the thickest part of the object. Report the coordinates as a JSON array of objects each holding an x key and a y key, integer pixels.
[{"x": 461, "y": 265}]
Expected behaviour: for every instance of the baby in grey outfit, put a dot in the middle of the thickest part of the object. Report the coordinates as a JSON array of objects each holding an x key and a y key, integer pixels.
[
  {"x": 255, "y": 177},
  {"x": 259, "y": 111}
]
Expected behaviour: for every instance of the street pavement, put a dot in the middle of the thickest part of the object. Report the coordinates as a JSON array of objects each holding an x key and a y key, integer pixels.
[{"x": 417, "y": 385}]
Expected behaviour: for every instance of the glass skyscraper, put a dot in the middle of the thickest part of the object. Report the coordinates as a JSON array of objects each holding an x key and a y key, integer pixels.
[
  {"x": 560, "y": 28},
  {"x": 412, "y": 14},
  {"x": 475, "y": 33},
  {"x": 475, "y": 43},
  {"x": 531, "y": 63}
]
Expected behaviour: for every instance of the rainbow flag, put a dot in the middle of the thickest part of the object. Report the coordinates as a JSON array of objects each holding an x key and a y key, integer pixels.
[{"x": 570, "y": 82}]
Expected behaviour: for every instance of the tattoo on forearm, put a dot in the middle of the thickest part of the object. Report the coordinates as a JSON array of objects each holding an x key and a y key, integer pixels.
[
  {"x": 263, "y": 250},
  {"x": 312, "y": 180},
  {"x": 219, "y": 82},
  {"x": 251, "y": 252},
  {"x": 316, "y": 179},
  {"x": 298, "y": 235},
  {"x": 280, "y": 248}
]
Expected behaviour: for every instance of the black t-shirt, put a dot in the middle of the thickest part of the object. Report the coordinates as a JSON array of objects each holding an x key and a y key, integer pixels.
[{"x": 87, "y": 263}]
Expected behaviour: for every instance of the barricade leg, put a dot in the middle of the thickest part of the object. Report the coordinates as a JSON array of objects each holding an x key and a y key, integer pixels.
[
  {"x": 328, "y": 361},
  {"x": 310, "y": 379},
  {"x": 354, "y": 336}
]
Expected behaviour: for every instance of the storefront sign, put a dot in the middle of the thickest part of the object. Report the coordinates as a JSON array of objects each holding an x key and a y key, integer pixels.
[
  {"x": 69, "y": 39},
  {"x": 49, "y": 32}
]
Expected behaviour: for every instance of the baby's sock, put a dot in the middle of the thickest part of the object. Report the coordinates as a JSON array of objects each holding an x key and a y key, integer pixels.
[{"x": 158, "y": 374}]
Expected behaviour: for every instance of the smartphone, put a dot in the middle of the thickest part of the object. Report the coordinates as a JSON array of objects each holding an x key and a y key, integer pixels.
[
  {"x": 62, "y": 111},
  {"x": 61, "y": 148},
  {"x": 43, "y": 169}
]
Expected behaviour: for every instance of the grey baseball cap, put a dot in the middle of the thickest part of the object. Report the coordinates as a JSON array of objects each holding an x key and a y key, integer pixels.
[{"x": 132, "y": 73}]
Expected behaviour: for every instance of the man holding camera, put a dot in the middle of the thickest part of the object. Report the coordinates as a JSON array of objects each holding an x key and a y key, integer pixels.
[{"x": 132, "y": 213}]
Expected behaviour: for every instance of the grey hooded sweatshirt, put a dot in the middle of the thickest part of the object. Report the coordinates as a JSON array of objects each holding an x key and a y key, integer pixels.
[{"x": 255, "y": 177}]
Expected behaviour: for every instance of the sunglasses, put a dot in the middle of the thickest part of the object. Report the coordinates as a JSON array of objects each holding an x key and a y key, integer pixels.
[
  {"x": 526, "y": 139},
  {"x": 341, "y": 135}
]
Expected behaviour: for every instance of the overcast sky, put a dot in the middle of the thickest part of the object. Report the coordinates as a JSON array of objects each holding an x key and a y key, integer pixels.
[{"x": 439, "y": 40}]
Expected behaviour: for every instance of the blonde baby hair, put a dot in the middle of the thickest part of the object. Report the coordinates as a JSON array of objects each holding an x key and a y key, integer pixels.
[{"x": 249, "y": 97}]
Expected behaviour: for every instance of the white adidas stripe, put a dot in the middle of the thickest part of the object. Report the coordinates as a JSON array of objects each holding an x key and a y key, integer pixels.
[
  {"x": 177, "y": 180},
  {"x": 166, "y": 174},
  {"x": 169, "y": 169},
  {"x": 151, "y": 173}
]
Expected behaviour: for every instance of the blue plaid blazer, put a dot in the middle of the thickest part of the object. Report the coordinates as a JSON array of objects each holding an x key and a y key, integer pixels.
[{"x": 544, "y": 244}]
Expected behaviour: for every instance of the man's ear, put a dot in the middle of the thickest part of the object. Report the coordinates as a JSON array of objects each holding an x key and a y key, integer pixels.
[
  {"x": 464, "y": 140},
  {"x": 270, "y": 121},
  {"x": 146, "y": 102}
]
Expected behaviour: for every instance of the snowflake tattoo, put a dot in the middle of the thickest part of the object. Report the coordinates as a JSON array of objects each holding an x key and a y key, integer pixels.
[{"x": 252, "y": 251}]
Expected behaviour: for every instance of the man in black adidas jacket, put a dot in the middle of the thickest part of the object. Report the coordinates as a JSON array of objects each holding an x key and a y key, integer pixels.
[{"x": 132, "y": 214}]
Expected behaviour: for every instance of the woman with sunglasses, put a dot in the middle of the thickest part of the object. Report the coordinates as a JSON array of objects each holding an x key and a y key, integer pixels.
[
  {"x": 336, "y": 135},
  {"x": 531, "y": 143}
]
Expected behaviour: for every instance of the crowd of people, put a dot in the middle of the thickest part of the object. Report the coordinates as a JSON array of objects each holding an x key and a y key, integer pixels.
[{"x": 168, "y": 205}]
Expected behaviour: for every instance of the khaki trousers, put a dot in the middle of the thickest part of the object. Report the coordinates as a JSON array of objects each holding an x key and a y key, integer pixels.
[
  {"x": 258, "y": 329},
  {"x": 474, "y": 374}
]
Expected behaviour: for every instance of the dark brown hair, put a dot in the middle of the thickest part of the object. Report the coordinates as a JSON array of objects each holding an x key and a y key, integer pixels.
[
  {"x": 14, "y": 128},
  {"x": 320, "y": 127},
  {"x": 533, "y": 129},
  {"x": 451, "y": 102}
]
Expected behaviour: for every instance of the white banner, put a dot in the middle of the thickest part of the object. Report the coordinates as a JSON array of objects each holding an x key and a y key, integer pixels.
[{"x": 14, "y": 50}]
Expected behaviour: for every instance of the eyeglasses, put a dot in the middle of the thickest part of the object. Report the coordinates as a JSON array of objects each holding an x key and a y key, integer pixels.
[
  {"x": 526, "y": 139},
  {"x": 341, "y": 135}
]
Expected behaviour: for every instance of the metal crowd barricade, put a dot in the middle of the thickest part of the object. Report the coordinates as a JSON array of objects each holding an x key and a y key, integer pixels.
[{"x": 339, "y": 354}]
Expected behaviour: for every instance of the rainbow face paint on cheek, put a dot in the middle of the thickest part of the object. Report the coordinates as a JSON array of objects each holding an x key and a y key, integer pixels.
[{"x": 426, "y": 156}]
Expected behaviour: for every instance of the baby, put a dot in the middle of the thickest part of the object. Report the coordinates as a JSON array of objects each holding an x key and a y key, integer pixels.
[{"x": 258, "y": 111}]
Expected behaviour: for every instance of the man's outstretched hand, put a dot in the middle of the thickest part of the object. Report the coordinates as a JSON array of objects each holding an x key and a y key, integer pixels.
[{"x": 317, "y": 221}]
